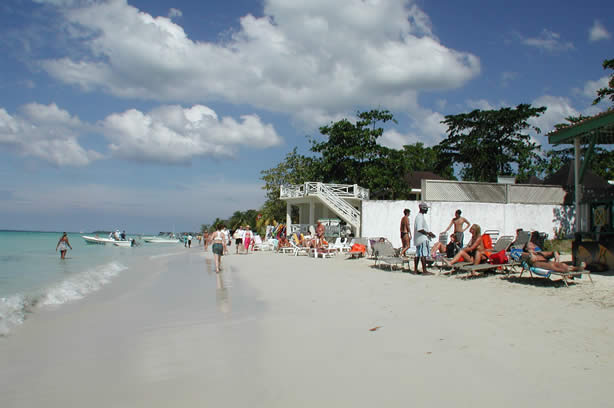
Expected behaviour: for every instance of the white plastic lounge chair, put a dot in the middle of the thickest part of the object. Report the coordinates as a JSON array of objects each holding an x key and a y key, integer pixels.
[
  {"x": 340, "y": 245},
  {"x": 298, "y": 250}
]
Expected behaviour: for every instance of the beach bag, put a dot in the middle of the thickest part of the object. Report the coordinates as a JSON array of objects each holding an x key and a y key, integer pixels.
[
  {"x": 451, "y": 250},
  {"x": 487, "y": 241},
  {"x": 498, "y": 258}
]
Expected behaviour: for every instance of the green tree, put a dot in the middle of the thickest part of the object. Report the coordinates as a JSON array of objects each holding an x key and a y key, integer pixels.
[
  {"x": 609, "y": 91},
  {"x": 488, "y": 143},
  {"x": 351, "y": 149},
  {"x": 294, "y": 169},
  {"x": 601, "y": 163}
]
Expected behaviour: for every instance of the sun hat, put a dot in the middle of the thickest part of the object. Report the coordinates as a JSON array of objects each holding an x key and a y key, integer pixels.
[{"x": 423, "y": 205}]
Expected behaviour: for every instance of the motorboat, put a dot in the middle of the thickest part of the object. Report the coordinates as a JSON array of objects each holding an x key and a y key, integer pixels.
[
  {"x": 126, "y": 243},
  {"x": 98, "y": 240},
  {"x": 162, "y": 239}
]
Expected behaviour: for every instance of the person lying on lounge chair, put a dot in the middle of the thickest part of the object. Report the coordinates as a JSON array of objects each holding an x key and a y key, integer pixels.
[
  {"x": 542, "y": 259},
  {"x": 474, "y": 252}
]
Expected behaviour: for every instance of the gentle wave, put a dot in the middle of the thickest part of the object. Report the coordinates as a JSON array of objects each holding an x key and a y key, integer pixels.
[{"x": 14, "y": 309}]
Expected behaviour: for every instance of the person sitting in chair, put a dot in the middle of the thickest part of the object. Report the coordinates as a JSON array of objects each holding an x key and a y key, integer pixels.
[
  {"x": 451, "y": 247},
  {"x": 474, "y": 252}
]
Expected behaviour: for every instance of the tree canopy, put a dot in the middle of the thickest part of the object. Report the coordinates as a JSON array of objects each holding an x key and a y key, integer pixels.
[
  {"x": 488, "y": 143},
  {"x": 607, "y": 92}
]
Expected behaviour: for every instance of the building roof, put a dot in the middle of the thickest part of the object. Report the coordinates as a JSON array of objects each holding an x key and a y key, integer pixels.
[
  {"x": 599, "y": 127},
  {"x": 565, "y": 177},
  {"x": 414, "y": 178}
]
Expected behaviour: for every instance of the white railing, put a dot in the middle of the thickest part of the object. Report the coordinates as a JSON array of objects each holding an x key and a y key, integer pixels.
[
  {"x": 346, "y": 211},
  {"x": 341, "y": 190}
]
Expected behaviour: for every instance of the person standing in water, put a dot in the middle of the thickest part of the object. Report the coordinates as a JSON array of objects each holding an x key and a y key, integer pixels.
[
  {"x": 63, "y": 245},
  {"x": 218, "y": 248}
]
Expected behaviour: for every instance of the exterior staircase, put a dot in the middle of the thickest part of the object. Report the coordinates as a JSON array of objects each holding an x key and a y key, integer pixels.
[{"x": 332, "y": 196}]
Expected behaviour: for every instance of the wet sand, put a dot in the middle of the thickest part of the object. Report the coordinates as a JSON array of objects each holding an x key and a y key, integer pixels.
[{"x": 275, "y": 330}]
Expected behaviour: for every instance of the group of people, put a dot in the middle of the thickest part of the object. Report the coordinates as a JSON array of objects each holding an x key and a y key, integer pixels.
[{"x": 474, "y": 252}]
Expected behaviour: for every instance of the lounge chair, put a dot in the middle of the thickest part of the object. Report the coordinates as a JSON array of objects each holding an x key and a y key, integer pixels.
[
  {"x": 259, "y": 245},
  {"x": 521, "y": 241},
  {"x": 322, "y": 252},
  {"x": 547, "y": 273},
  {"x": 299, "y": 250},
  {"x": 358, "y": 248},
  {"x": 494, "y": 235},
  {"x": 340, "y": 245},
  {"x": 503, "y": 244},
  {"x": 384, "y": 252}
]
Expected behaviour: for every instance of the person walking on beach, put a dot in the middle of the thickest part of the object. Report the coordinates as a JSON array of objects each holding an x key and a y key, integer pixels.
[
  {"x": 422, "y": 234},
  {"x": 247, "y": 238},
  {"x": 218, "y": 239},
  {"x": 458, "y": 221},
  {"x": 238, "y": 236},
  {"x": 189, "y": 240},
  {"x": 206, "y": 239},
  {"x": 63, "y": 245},
  {"x": 405, "y": 231}
]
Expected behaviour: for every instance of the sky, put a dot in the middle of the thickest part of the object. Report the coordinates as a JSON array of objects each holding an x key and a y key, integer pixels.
[{"x": 153, "y": 115}]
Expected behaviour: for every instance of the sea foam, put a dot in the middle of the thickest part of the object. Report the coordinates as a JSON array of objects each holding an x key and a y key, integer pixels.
[{"x": 15, "y": 308}]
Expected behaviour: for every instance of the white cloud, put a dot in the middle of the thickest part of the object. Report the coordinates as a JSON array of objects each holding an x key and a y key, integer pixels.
[
  {"x": 591, "y": 87},
  {"x": 302, "y": 58},
  {"x": 427, "y": 129},
  {"x": 173, "y": 12},
  {"x": 45, "y": 132},
  {"x": 558, "y": 108},
  {"x": 549, "y": 41},
  {"x": 172, "y": 134},
  {"x": 481, "y": 104},
  {"x": 598, "y": 32}
]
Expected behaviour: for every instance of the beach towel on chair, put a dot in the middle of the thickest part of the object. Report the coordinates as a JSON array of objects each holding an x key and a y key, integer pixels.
[{"x": 498, "y": 258}]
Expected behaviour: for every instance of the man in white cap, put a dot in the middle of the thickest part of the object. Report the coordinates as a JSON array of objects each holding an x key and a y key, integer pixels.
[{"x": 422, "y": 234}]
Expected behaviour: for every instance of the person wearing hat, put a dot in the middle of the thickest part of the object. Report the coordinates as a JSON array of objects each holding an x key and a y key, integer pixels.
[{"x": 422, "y": 234}]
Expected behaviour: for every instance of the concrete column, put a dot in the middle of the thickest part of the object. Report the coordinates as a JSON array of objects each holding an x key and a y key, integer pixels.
[
  {"x": 578, "y": 192},
  {"x": 312, "y": 212},
  {"x": 288, "y": 216}
]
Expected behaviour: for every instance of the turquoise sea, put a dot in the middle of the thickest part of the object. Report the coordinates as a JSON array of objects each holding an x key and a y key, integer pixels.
[{"x": 32, "y": 273}]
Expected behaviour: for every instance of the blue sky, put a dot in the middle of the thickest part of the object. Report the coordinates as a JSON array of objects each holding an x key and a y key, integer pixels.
[{"x": 151, "y": 115}]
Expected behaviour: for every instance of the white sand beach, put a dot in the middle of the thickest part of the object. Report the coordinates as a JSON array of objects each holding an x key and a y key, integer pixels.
[{"x": 275, "y": 330}]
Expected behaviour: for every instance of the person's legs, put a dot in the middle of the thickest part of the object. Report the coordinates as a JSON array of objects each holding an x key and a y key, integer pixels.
[
  {"x": 63, "y": 254},
  {"x": 461, "y": 254}
]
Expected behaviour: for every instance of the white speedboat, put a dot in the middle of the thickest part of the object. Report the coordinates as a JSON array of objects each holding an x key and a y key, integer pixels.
[
  {"x": 127, "y": 243},
  {"x": 98, "y": 240},
  {"x": 161, "y": 240}
]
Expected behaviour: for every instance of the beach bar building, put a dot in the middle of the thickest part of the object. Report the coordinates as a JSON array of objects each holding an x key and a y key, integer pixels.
[
  {"x": 594, "y": 226},
  {"x": 322, "y": 201}
]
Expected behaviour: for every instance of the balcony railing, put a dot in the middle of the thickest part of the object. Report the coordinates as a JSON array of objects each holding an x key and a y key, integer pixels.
[{"x": 314, "y": 188}]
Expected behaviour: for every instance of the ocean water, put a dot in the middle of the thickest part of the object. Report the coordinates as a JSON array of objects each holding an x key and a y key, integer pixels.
[{"x": 33, "y": 275}]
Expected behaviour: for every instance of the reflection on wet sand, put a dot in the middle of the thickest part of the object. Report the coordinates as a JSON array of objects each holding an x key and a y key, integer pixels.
[{"x": 222, "y": 298}]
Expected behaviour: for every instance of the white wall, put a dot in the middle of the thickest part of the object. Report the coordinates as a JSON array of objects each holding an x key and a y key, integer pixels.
[{"x": 383, "y": 218}]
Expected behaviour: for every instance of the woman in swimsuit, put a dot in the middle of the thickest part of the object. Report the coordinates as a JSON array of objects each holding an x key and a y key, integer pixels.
[
  {"x": 63, "y": 245},
  {"x": 219, "y": 246},
  {"x": 474, "y": 251}
]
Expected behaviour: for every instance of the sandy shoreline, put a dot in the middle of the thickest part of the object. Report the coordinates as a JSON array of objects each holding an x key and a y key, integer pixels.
[{"x": 278, "y": 330}]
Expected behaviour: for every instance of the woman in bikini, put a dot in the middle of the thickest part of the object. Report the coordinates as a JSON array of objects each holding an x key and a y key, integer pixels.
[
  {"x": 218, "y": 246},
  {"x": 63, "y": 245},
  {"x": 474, "y": 251}
]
